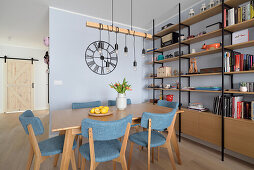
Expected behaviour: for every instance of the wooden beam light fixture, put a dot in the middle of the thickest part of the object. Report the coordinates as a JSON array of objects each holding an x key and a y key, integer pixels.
[{"x": 120, "y": 30}]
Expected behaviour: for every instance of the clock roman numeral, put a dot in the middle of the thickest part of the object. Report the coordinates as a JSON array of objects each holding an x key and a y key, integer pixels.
[
  {"x": 114, "y": 65},
  {"x": 90, "y": 63},
  {"x": 90, "y": 49},
  {"x": 113, "y": 58},
  {"x": 89, "y": 57},
  {"x": 96, "y": 68},
  {"x": 102, "y": 70},
  {"x": 112, "y": 52}
]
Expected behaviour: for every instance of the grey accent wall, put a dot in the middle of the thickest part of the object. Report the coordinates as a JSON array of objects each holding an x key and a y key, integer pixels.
[
  {"x": 202, "y": 62},
  {"x": 69, "y": 38}
]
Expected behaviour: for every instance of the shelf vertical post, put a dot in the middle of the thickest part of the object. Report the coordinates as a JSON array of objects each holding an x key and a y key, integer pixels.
[
  {"x": 222, "y": 84},
  {"x": 180, "y": 104},
  {"x": 153, "y": 66}
]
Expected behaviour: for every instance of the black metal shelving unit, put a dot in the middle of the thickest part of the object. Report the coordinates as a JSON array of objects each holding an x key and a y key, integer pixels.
[{"x": 182, "y": 25}]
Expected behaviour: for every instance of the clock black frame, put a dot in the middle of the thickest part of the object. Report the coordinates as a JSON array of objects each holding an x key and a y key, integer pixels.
[{"x": 112, "y": 58}]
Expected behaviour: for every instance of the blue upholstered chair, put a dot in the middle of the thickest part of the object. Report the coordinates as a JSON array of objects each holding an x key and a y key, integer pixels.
[
  {"x": 165, "y": 103},
  {"x": 152, "y": 138},
  {"x": 42, "y": 150},
  {"x": 113, "y": 102},
  {"x": 81, "y": 106},
  {"x": 103, "y": 141},
  {"x": 86, "y": 105}
]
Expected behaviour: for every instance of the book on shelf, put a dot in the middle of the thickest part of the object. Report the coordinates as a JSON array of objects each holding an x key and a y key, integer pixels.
[
  {"x": 239, "y": 14},
  {"x": 236, "y": 61},
  {"x": 234, "y": 107}
]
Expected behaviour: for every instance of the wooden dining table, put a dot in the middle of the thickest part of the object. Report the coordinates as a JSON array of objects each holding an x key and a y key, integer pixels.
[{"x": 68, "y": 122}]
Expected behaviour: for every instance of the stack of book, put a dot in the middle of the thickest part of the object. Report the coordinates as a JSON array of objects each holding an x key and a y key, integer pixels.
[
  {"x": 234, "y": 107},
  {"x": 238, "y": 62},
  {"x": 237, "y": 15}
]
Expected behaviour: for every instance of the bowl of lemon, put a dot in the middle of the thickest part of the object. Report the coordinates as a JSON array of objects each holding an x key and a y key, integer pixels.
[{"x": 100, "y": 111}]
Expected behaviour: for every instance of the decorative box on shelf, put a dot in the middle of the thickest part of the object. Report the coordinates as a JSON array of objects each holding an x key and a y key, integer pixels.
[{"x": 164, "y": 72}]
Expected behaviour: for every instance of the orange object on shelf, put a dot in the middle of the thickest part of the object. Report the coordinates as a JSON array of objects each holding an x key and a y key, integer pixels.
[{"x": 211, "y": 46}]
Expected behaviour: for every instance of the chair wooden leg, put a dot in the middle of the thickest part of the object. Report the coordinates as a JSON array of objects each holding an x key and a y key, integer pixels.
[
  {"x": 30, "y": 158},
  {"x": 83, "y": 163},
  {"x": 92, "y": 165},
  {"x": 158, "y": 153},
  {"x": 171, "y": 157},
  {"x": 56, "y": 160},
  {"x": 149, "y": 155},
  {"x": 130, "y": 155},
  {"x": 79, "y": 154},
  {"x": 123, "y": 163},
  {"x": 152, "y": 155},
  {"x": 37, "y": 163},
  {"x": 73, "y": 161},
  {"x": 176, "y": 147},
  {"x": 114, "y": 165}
]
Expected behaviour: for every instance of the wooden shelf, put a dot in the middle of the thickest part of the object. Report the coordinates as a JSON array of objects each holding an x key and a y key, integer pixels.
[
  {"x": 202, "y": 53},
  {"x": 203, "y": 37},
  {"x": 169, "y": 47},
  {"x": 165, "y": 60},
  {"x": 235, "y": 3},
  {"x": 237, "y": 92},
  {"x": 240, "y": 26},
  {"x": 205, "y": 91},
  {"x": 162, "y": 77},
  {"x": 204, "y": 74},
  {"x": 203, "y": 15},
  {"x": 240, "y": 45},
  {"x": 227, "y": 73}
]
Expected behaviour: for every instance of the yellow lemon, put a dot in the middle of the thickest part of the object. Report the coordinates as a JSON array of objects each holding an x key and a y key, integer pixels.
[
  {"x": 103, "y": 111},
  {"x": 97, "y": 111},
  {"x": 100, "y": 107},
  {"x": 92, "y": 110},
  {"x": 106, "y": 107}
]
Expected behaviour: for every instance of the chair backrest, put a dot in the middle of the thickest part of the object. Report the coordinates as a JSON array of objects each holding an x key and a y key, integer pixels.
[
  {"x": 165, "y": 103},
  {"x": 159, "y": 120},
  {"x": 27, "y": 118},
  {"x": 105, "y": 130},
  {"x": 86, "y": 105},
  {"x": 113, "y": 102}
]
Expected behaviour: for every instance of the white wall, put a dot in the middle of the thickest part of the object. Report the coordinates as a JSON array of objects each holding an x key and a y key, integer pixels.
[{"x": 40, "y": 74}]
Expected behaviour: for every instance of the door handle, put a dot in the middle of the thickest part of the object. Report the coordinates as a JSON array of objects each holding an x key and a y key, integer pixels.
[{"x": 32, "y": 85}]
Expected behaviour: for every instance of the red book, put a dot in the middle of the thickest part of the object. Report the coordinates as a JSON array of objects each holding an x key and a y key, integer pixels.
[
  {"x": 239, "y": 109},
  {"x": 225, "y": 18},
  {"x": 241, "y": 62},
  {"x": 237, "y": 62}
]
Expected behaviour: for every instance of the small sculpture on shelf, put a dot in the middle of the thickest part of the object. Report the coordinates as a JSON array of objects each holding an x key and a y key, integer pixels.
[
  {"x": 211, "y": 4},
  {"x": 211, "y": 46},
  {"x": 191, "y": 13},
  {"x": 193, "y": 66},
  {"x": 203, "y": 8}
]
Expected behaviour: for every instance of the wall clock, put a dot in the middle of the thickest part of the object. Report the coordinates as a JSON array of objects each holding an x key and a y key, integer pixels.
[{"x": 101, "y": 63}]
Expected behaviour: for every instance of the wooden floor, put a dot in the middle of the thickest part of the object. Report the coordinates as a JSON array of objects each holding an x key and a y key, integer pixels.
[{"x": 14, "y": 147}]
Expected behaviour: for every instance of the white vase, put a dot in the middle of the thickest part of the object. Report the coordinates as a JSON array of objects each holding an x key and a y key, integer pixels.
[
  {"x": 121, "y": 101},
  {"x": 243, "y": 89}
]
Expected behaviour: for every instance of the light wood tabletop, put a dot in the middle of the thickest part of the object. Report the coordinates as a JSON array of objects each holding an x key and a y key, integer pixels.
[{"x": 69, "y": 122}]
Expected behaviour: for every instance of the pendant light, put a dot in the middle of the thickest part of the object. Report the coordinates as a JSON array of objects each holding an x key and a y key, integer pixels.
[
  {"x": 134, "y": 50},
  {"x": 107, "y": 62},
  {"x": 126, "y": 48},
  {"x": 100, "y": 43},
  {"x": 143, "y": 50},
  {"x": 116, "y": 45}
]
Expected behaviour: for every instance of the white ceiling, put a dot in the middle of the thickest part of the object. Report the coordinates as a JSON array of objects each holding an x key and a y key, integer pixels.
[{"x": 25, "y": 22}]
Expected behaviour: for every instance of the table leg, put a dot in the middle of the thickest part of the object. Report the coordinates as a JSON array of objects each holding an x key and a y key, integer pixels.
[{"x": 67, "y": 150}]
